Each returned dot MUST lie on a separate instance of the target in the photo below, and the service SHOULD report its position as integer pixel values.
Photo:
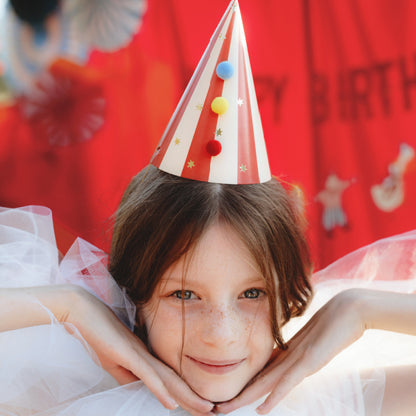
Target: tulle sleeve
(354, 381)
(44, 366)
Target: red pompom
(214, 147)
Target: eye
(253, 293)
(183, 294)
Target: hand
(124, 355)
(334, 327)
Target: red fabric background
(336, 84)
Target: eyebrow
(181, 280)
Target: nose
(220, 325)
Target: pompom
(225, 70)
(219, 105)
(214, 147)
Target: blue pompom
(225, 70)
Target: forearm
(23, 307)
(388, 311)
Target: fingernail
(172, 404)
(261, 409)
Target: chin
(217, 392)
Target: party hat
(215, 134)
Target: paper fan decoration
(66, 106)
(28, 50)
(106, 25)
(215, 134)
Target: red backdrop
(336, 84)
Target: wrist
(73, 304)
(31, 306)
(368, 304)
(384, 310)
(63, 300)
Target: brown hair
(162, 216)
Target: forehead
(219, 254)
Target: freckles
(234, 319)
(258, 322)
(251, 325)
(217, 319)
(191, 320)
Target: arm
(120, 352)
(21, 307)
(338, 324)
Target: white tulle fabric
(46, 371)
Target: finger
(278, 372)
(262, 384)
(168, 387)
(285, 385)
(259, 388)
(185, 396)
(154, 383)
(303, 367)
(122, 375)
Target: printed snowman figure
(389, 195)
(331, 198)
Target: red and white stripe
(182, 149)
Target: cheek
(257, 317)
(260, 337)
(164, 331)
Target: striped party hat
(215, 134)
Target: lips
(216, 367)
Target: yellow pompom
(219, 105)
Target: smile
(216, 367)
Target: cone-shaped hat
(215, 134)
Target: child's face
(222, 337)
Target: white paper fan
(106, 25)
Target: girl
(213, 289)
